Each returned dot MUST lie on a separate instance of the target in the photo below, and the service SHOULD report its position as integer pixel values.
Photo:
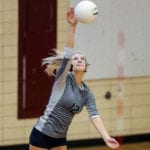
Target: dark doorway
(37, 37)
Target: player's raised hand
(71, 17)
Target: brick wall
(135, 117)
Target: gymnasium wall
(119, 35)
(125, 113)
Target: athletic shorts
(41, 140)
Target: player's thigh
(59, 148)
(31, 147)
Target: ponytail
(53, 62)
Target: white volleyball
(86, 11)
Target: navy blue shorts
(41, 140)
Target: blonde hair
(53, 62)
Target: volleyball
(86, 11)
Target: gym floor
(135, 146)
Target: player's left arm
(99, 125)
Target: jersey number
(74, 108)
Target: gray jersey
(65, 101)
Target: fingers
(112, 143)
(70, 12)
(71, 17)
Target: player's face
(78, 62)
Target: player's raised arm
(72, 21)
